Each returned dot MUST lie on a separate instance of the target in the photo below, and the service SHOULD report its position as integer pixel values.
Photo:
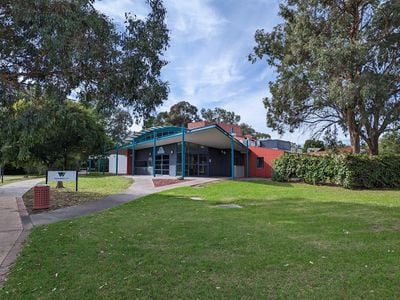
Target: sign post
(2, 172)
(63, 176)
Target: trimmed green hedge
(347, 170)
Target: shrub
(347, 170)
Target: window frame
(260, 159)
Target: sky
(208, 66)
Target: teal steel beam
(116, 159)
(154, 152)
(183, 164)
(247, 158)
(232, 159)
(133, 157)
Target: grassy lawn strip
(15, 178)
(288, 241)
(91, 187)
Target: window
(260, 163)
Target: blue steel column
(154, 153)
(116, 159)
(133, 156)
(247, 158)
(183, 164)
(232, 159)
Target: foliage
(390, 143)
(288, 241)
(349, 171)
(312, 143)
(248, 130)
(65, 48)
(219, 115)
(119, 122)
(180, 114)
(337, 62)
(44, 133)
(331, 141)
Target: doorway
(162, 164)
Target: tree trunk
(355, 142)
(353, 131)
(60, 185)
(373, 144)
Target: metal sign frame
(76, 178)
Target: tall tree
(68, 47)
(45, 132)
(248, 130)
(180, 114)
(119, 122)
(337, 62)
(219, 115)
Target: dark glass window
(260, 163)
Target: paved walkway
(11, 224)
(142, 186)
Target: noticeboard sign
(62, 176)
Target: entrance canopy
(210, 136)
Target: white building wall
(239, 171)
(122, 164)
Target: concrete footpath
(14, 221)
(142, 186)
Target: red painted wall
(129, 162)
(268, 154)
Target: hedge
(347, 170)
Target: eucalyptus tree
(179, 114)
(61, 49)
(219, 115)
(337, 62)
(65, 47)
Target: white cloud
(193, 20)
(208, 66)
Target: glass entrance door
(197, 165)
(162, 164)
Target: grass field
(15, 178)
(288, 241)
(90, 187)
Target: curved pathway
(142, 186)
(12, 223)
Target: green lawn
(90, 187)
(15, 178)
(288, 241)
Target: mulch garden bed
(59, 198)
(162, 182)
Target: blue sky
(208, 65)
